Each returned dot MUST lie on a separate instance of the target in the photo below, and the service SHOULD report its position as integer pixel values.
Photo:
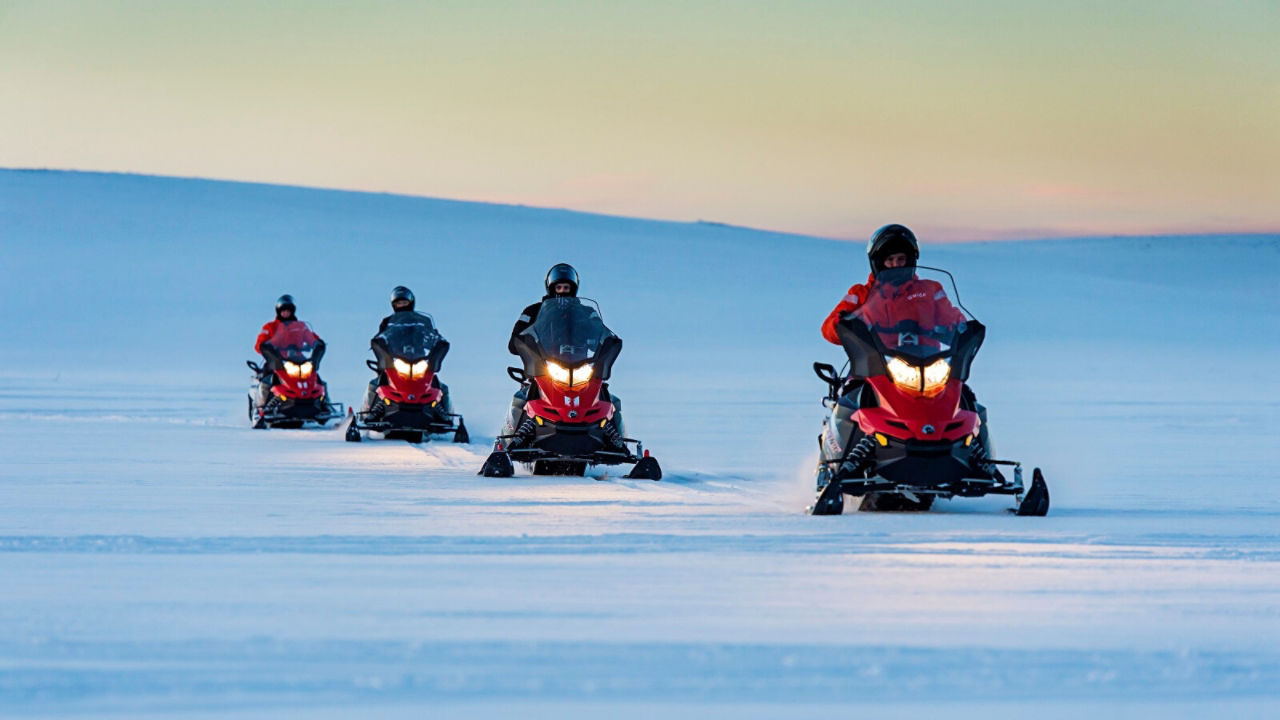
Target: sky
(965, 120)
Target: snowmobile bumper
(580, 442)
(568, 439)
(285, 412)
(905, 462)
(600, 457)
(395, 417)
(925, 467)
(962, 488)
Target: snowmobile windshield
(568, 330)
(910, 312)
(295, 341)
(410, 338)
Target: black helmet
(562, 272)
(402, 293)
(286, 301)
(889, 240)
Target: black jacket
(401, 315)
(527, 318)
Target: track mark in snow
(624, 543)
(210, 673)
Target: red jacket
(920, 299)
(852, 300)
(925, 295)
(269, 330)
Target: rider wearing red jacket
(286, 315)
(890, 248)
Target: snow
(161, 559)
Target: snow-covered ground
(159, 558)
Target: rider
(892, 253)
(561, 281)
(286, 314)
(402, 312)
(402, 301)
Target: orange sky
(964, 120)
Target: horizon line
(954, 236)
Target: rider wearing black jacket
(402, 303)
(402, 307)
(561, 281)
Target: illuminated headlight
(558, 373)
(936, 375)
(306, 368)
(576, 378)
(292, 369)
(402, 368)
(930, 381)
(904, 374)
(410, 371)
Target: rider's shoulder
(927, 283)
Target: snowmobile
(408, 401)
(568, 420)
(288, 391)
(904, 428)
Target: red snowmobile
(289, 392)
(407, 400)
(904, 429)
(565, 418)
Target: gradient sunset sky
(965, 120)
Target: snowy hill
(153, 531)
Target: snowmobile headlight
(420, 368)
(292, 369)
(305, 369)
(936, 375)
(574, 379)
(402, 368)
(904, 374)
(581, 376)
(558, 373)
